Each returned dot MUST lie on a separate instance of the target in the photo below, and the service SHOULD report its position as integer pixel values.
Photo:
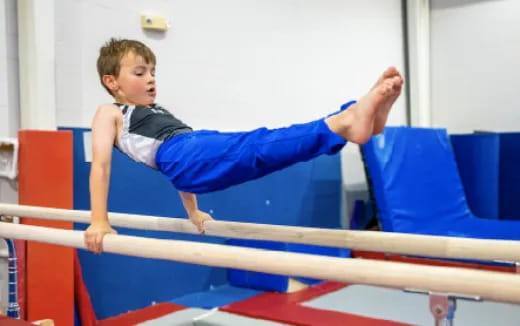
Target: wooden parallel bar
(398, 243)
(494, 286)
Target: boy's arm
(104, 131)
(197, 216)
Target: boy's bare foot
(356, 124)
(382, 113)
(389, 73)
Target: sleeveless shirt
(145, 128)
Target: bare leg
(357, 123)
(382, 113)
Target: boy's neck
(125, 102)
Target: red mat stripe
(286, 308)
(141, 315)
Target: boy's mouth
(151, 91)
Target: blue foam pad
(477, 157)
(216, 297)
(120, 283)
(418, 188)
(273, 282)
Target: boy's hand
(198, 218)
(94, 236)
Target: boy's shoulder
(108, 111)
(108, 106)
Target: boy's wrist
(99, 220)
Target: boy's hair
(114, 50)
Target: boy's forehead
(132, 59)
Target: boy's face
(135, 84)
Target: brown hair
(114, 50)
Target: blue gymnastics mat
(418, 188)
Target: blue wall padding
(477, 157)
(216, 297)
(273, 282)
(509, 182)
(418, 188)
(306, 194)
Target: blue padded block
(509, 183)
(216, 297)
(477, 157)
(307, 193)
(418, 188)
(273, 282)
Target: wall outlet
(152, 22)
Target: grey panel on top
(201, 317)
(412, 308)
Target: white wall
(9, 99)
(9, 104)
(234, 64)
(36, 40)
(475, 53)
(9, 117)
(237, 65)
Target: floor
(368, 301)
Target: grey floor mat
(201, 317)
(412, 308)
(178, 318)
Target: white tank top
(145, 128)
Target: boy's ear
(110, 82)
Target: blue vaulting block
(418, 187)
(136, 189)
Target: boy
(205, 161)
